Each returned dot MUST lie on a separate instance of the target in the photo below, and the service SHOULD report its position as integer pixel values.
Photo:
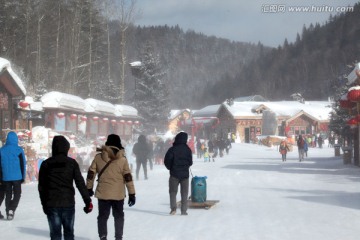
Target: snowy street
(261, 198)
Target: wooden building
(248, 119)
(11, 91)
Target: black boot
(1, 216)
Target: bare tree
(127, 14)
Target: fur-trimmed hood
(111, 152)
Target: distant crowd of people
(303, 142)
(212, 148)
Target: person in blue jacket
(13, 169)
(178, 160)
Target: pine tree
(40, 90)
(339, 116)
(151, 92)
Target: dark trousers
(117, 207)
(140, 163)
(61, 217)
(184, 191)
(13, 194)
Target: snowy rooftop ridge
(94, 105)
(67, 101)
(318, 109)
(63, 101)
(6, 64)
(208, 111)
(175, 112)
(125, 111)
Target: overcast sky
(267, 21)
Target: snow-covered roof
(136, 64)
(98, 106)
(208, 111)
(176, 112)
(36, 106)
(352, 76)
(125, 111)
(318, 109)
(63, 101)
(6, 64)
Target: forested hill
(71, 46)
(192, 60)
(309, 66)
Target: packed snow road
(261, 198)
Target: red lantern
(352, 122)
(345, 103)
(129, 122)
(122, 121)
(72, 136)
(73, 116)
(83, 118)
(113, 121)
(23, 104)
(95, 118)
(354, 94)
(105, 119)
(61, 115)
(136, 122)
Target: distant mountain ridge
(192, 60)
(320, 57)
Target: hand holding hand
(91, 192)
(88, 208)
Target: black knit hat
(114, 140)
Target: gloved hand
(88, 208)
(91, 192)
(45, 210)
(132, 200)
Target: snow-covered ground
(261, 198)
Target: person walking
(178, 160)
(142, 152)
(57, 194)
(114, 174)
(306, 148)
(211, 150)
(283, 149)
(199, 151)
(301, 144)
(320, 141)
(13, 168)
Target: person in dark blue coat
(178, 160)
(13, 169)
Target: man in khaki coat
(114, 174)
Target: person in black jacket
(142, 152)
(57, 193)
(178, 160)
